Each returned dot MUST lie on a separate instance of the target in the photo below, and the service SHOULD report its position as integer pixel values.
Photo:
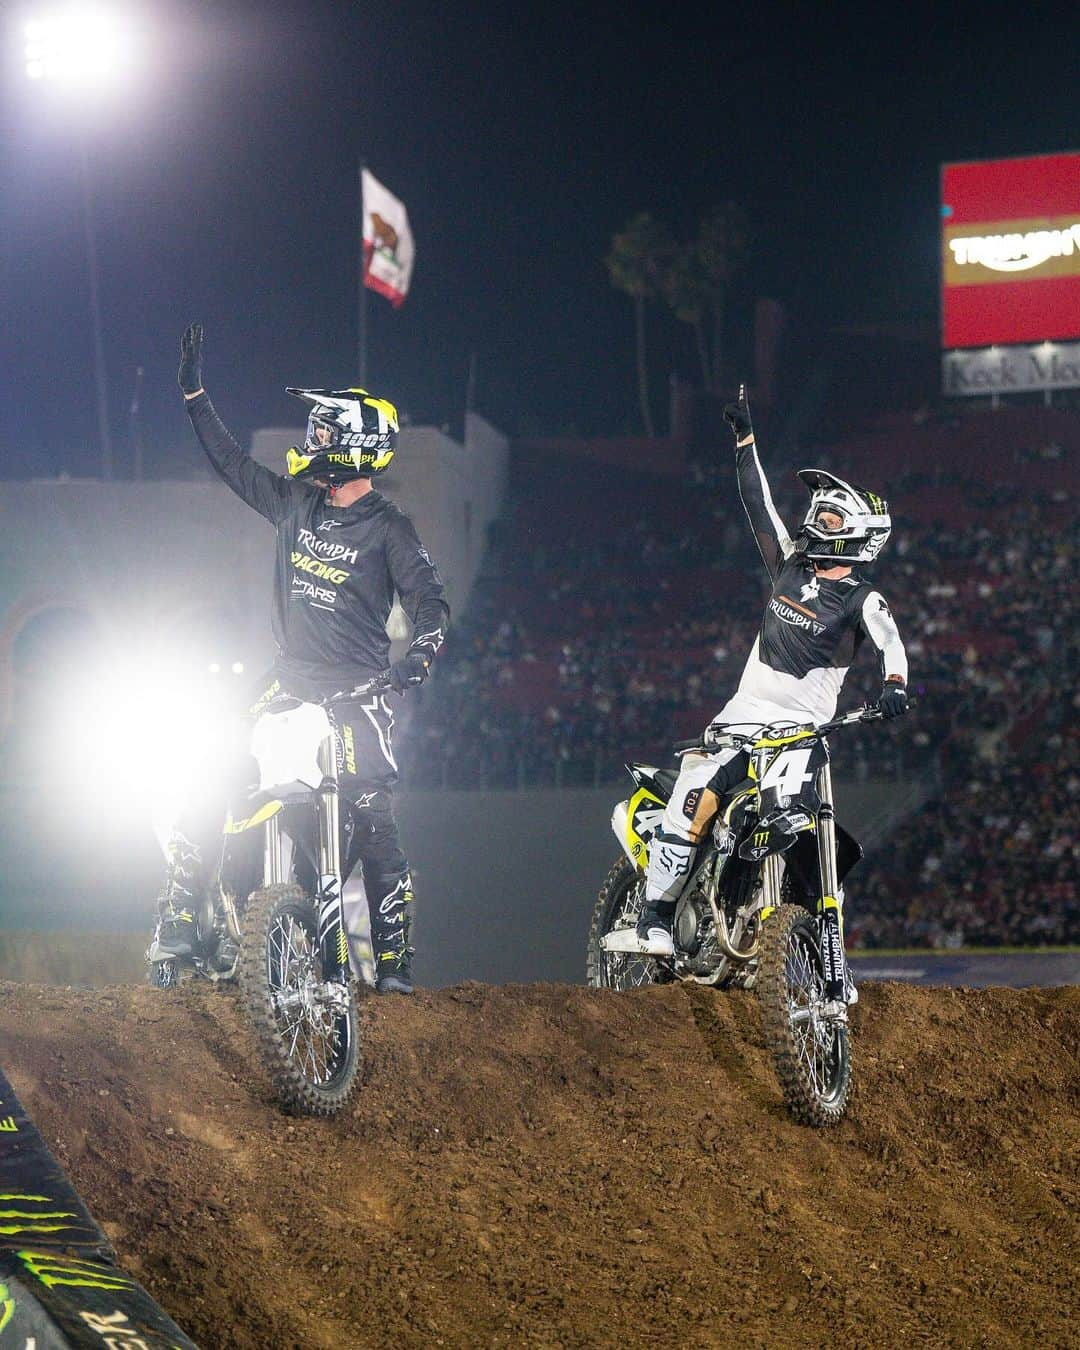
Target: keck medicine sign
(1010, 273)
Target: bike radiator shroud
(635, 820)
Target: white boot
(670, 860)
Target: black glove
(409, 672)
(737, 416)
(189, 376)
(893, 701)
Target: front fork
(829, 905)
(333, 940)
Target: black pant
(367, 772)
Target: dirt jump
(549, 1165)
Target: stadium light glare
(146, 732)
(79, 45)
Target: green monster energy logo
(8, 1126)
(7, 1306)
(838, 546)
(66, 1270)
(761, 838)
(36, 1216)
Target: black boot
(393, 972)
(391, 924)
(176, 928)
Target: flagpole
(361, 301)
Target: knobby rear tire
(298, 1091)
(814, 1071)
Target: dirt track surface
(550, 1165)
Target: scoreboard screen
(1010, 251)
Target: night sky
(520, 138)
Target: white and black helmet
(350, 434)
(866, 521)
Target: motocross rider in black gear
(820, 611)
(343, 550)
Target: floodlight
(145, 731)
(78, 44)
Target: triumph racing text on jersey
(812, 626)
(337, 568)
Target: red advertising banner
(1010, 251)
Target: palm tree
(686, 292)
(723, 248)
(636, 262)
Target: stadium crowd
(608, 626)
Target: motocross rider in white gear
(820, 611)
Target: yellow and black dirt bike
(272, 916)
(762, 908)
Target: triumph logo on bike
(833, 950)
(787, 612)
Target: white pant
(744, 714)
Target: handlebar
(284, 702)
(736, 740)
(377, 682)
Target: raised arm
(267, 492)
(771, 534)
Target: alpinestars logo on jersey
(787, 613)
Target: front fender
(258, 817)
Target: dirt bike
(761, 909)
(272, 916)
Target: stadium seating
(616, 607)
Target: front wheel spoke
(284, 1031)
(805, 991)
(296, 1037)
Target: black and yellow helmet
(350, 434)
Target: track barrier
(60, 1283)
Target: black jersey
(337, 568)
(812, 627)
(811, 622)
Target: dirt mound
(550, 1165)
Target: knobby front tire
(812, 1054)
(310, 1052)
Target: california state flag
(388, 241)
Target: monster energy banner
(60, 1285)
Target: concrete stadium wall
(142, 561)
